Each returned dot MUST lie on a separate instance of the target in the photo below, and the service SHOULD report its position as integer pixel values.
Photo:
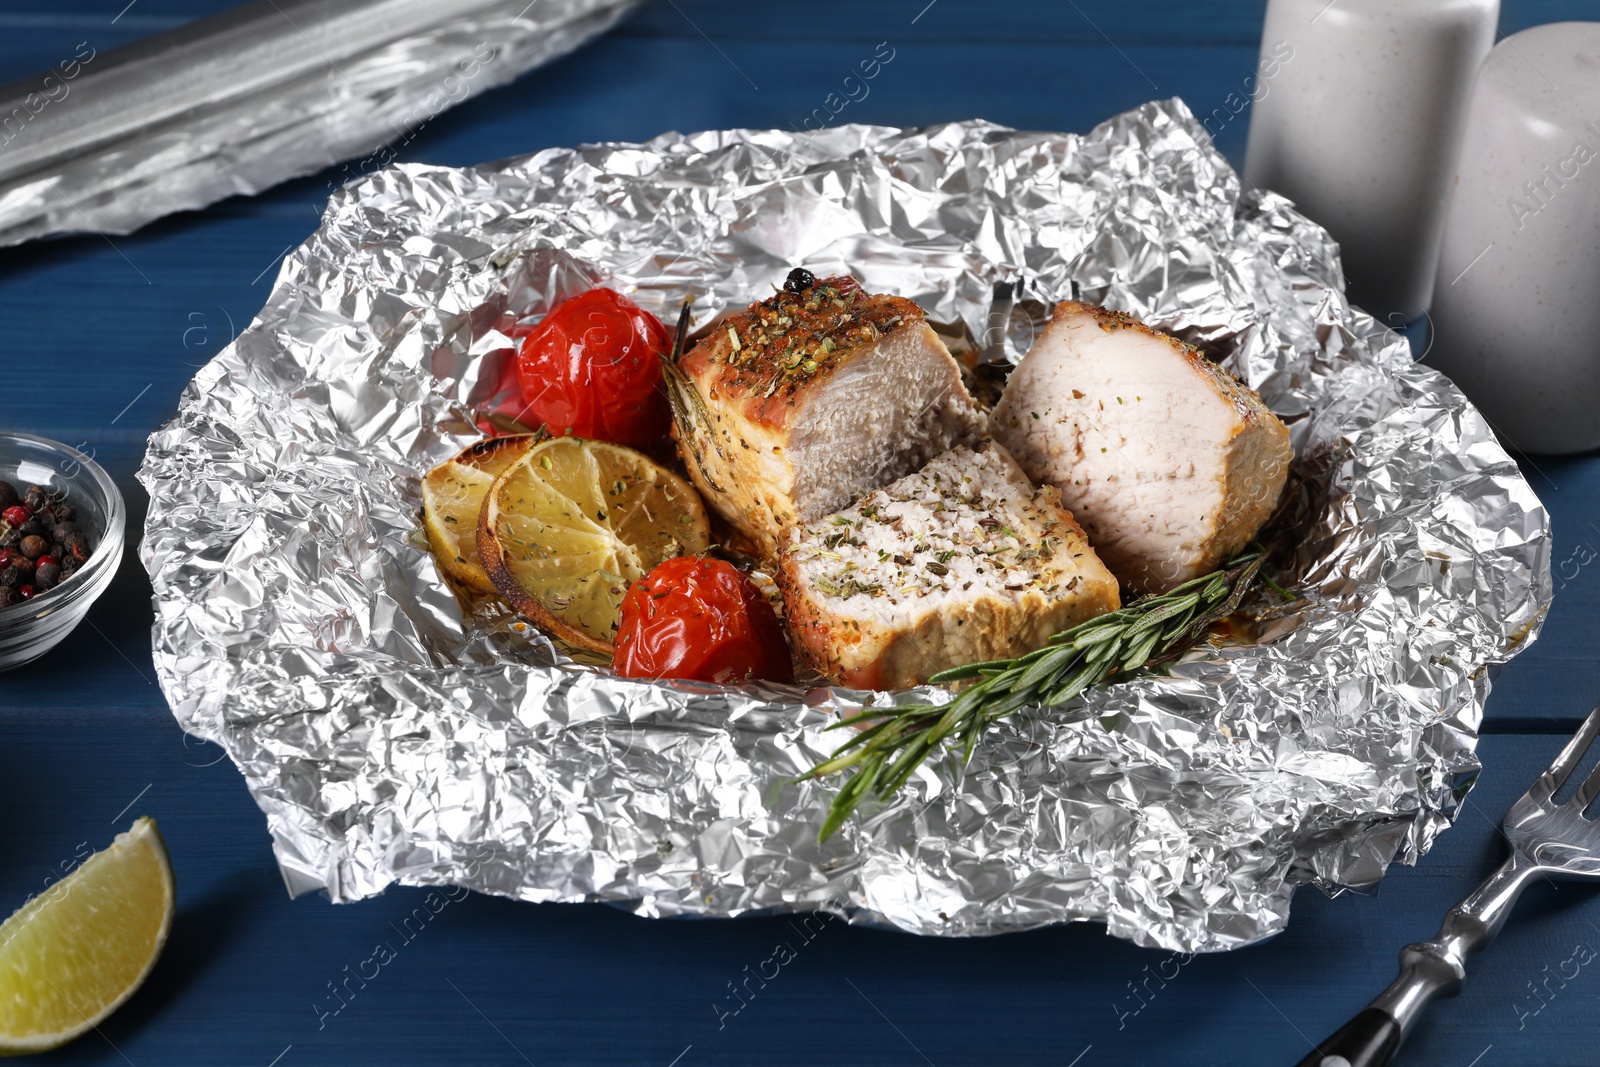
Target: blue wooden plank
(144, 311)
(781, 85)
(1143, 21)
(1078, 64)
(1137, 22)
(105, 335)
(250, 973)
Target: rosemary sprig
(894, 742)
(689, 412)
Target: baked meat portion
(1170, 464)
(963, 561)
(807, 401)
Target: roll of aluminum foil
(254, 96)
(392, 735)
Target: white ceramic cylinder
(1517, 310)
(1360, 128)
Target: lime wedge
(71, 955)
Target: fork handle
(1368, 1040)
(1427, 969)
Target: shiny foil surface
(392, 735)
(265, 93)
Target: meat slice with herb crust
(1169, 463)
(812, 398)
(961, 562)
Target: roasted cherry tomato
(592, 368)
(699, 618)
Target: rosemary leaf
(1141, 651)
(1095, 637)
(1162, 614)
(1046, 667)
(898, 740)
(1074, 685)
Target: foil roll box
(392, 736)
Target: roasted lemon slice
(71, 955)
(568, 527)
(452, 496)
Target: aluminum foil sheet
(239, 102)
(392, 736)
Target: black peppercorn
(799, 280)
(48, 534)
(9, 596)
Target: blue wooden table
(98, 337)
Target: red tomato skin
(592, 368)
(700, 619)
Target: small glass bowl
(32, 627)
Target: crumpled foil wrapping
(390, 736)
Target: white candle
(1360, 129)
(1517, 313)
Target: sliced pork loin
(1170, 464)
(807, 401)
(965, 560)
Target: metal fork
(1546, 839)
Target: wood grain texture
(98, 338)
(247, 973)
(1087, 22)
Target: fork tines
(1547, 784)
